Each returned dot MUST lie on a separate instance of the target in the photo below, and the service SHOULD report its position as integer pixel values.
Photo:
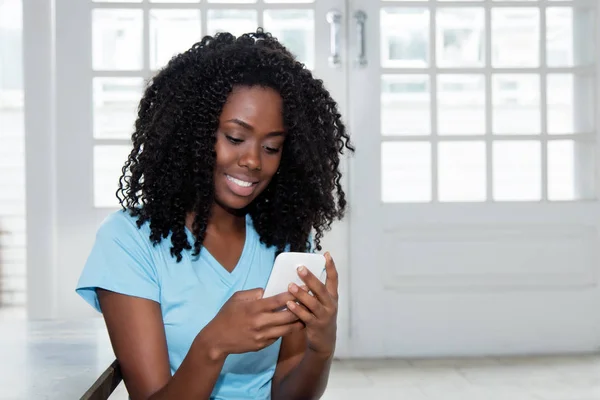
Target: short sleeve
(120, 261)
(311, 244)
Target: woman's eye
(233, 140)
(272, 150)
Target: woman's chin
(234, 204)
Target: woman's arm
(300, 373)
(246, 322)
(137, 335)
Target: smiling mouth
(239, 182)
(240, 187)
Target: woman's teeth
(239, 182)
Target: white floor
(515, 378)
(512, 378)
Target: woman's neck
(221, 220)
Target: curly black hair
(169, 171)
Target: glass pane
(570, 170)
(116, 39)
(174, 1)
(405, 105)
(405, 172)
(289, 1)
(560, 103)
(108, 161)
(404, 37)
(515, 37)
(461, 104)
(460, 37)
(296, 30)
(115, 106)
(461, 171)
(236, 22)
(568, 33)
(517, 171)
(172, 32)
(516, 104)
(232, 1)
(561, 170)
(571, 103)
(12, 141)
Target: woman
(235, 159)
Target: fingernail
(302, 270)
(291, 305)
(293, 288)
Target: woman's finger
(311, 303)
(331, 284)
(315, 285)
(283, 330)
(301, 312)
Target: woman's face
(249, 145)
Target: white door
(474, 189)
(105, 51)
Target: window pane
(571, 103)
(174, 1)
(13, 259)
(296, 30)
(405, 172)
(108, 161)
(560, 103)
(404, 37)
(515, 37)
(232, 1)
(172, 32)
(462, 171)
(236, 22)
(116, 39)
(517, 171)
(460, 37)
(115, 106)
(405, 105)
(516, 104)
(461, 104)
(568, 33)
(289, 1)
(570, 170)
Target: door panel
(458, 244)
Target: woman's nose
(251, 159)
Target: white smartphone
(285, 271)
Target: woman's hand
(318, 312)
(247, 322)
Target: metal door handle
(361, 17)
(334, 17)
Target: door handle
(334, 17)
(361, 17)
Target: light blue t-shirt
(190, 294)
